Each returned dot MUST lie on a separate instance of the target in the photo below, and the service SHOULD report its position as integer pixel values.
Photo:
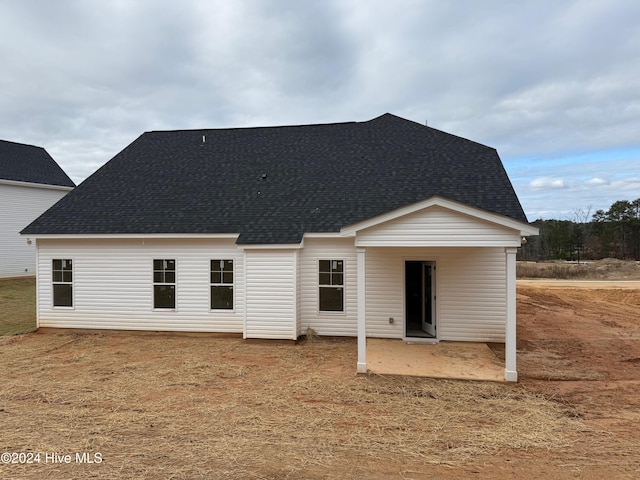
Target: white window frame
(164, 282)
(223, 284)
(62, 282)
(342, 286)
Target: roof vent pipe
(426, 123)
(204, 139)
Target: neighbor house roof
(30, 164)
(273, 184)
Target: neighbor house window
(164, 283)
(62, 283)
(331, 285)
(222, 284)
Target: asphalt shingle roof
(273, 184)
(27, 163)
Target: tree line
(614, 233)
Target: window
(221, 284)
(62, 283)
(164, 284)
(331, 281)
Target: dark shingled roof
(26, 163)
(273, 184)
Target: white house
(30, 182)
(384, 228)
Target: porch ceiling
(453, 360)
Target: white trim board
(523, 228)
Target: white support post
(244, 287)
(38, 282)
(362, 328)
(510, 372)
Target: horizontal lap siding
(385, 292)
(338, 324)
(113, 285)
(472, 303)
(19, 206)
(437, 227)
(470, 288)
(113, 288)
(271, 294)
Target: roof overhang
(35, 185)
(524, 229)
(271, 246)
(103, 236)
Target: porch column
(362, 330)
(510, 373)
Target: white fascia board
(436, 244)
(131, 235)
(527, 230)
(523, 228)
(35, 185)
(323, 235)
(272, 246)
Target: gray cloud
(538, 80)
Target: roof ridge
(22, 144)
(275, 127)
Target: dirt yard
(169, 406)
(581, 346)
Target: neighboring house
(385, 228)
(30, 182)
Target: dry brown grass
(205, 407)
(605, 269)
(17, 305)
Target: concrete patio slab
(454, 360)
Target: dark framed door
(420, 318)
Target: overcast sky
(553, 85)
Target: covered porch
(466, 292)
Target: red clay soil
(582, 345)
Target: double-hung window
(62, 271)
(221, 284)
(164, 283)
(331, 285)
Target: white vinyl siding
(271, 293)
(437, 227)
(113, 288)
(470, 295)
(327, 323)
(19, 206)
(113, 285)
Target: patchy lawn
(17, 305)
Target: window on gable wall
(164, 283)
(62, 273)
(221, 284)
(331, 285)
